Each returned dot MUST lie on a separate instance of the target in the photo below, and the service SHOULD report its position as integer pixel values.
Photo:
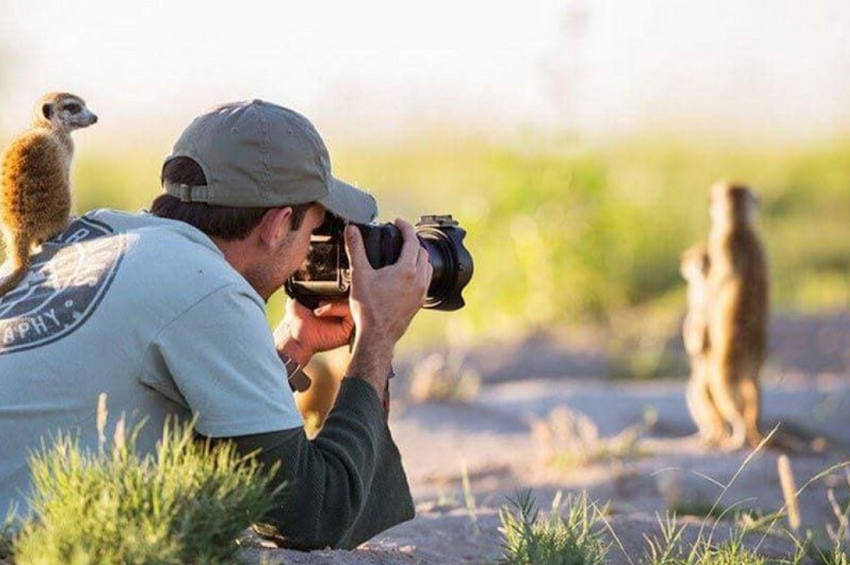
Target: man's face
(270, 267)
(273, 251)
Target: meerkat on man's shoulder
(35, 198)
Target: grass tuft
(669, 549)
(571, 539)
(568, 439)
(186, 505)
(443, 378)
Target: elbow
(323, 519)
(300, 537)
(320, 541)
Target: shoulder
(170, 261)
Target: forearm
(371, 361)
(343, 487)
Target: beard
(268, 277)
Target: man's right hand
(383, 302)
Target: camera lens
(443, 238)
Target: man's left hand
(304, 332)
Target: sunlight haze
(372, 67)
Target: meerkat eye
(74, 108)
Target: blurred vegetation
(568, 233)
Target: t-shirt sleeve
(218, 359)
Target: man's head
(256, 178)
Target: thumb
(337, 309)
(354, 248)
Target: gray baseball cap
(258, 154)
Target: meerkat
(326, 374)
(694, 267)
(35, 198)
(737, 325)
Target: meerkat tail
(20, 258)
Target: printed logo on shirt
(63, 287)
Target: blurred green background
(566, 233)
(574, 140)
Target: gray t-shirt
(143, 309)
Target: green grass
(669, 550)
(7, 536)
(570, 233)
(573, 539)
(580, 537)
(833, 555)
(186, 505)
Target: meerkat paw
(712, 439)
(736, 441)
(731, 445)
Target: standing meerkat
(738, 295)
(695, 266)
(35, 201)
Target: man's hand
(304, 332)
(383, 302)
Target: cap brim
(350, 203)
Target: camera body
(326, 273)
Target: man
(165, 313)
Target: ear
(274, 227)
(47, 111)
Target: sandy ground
(806, 393)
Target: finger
(354, 248)
(423, 263)
(423, 253)
(332, 310)
(411, 246)
(424, 271)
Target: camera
(326, 273)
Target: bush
(186, 505)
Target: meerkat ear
(47, 111)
